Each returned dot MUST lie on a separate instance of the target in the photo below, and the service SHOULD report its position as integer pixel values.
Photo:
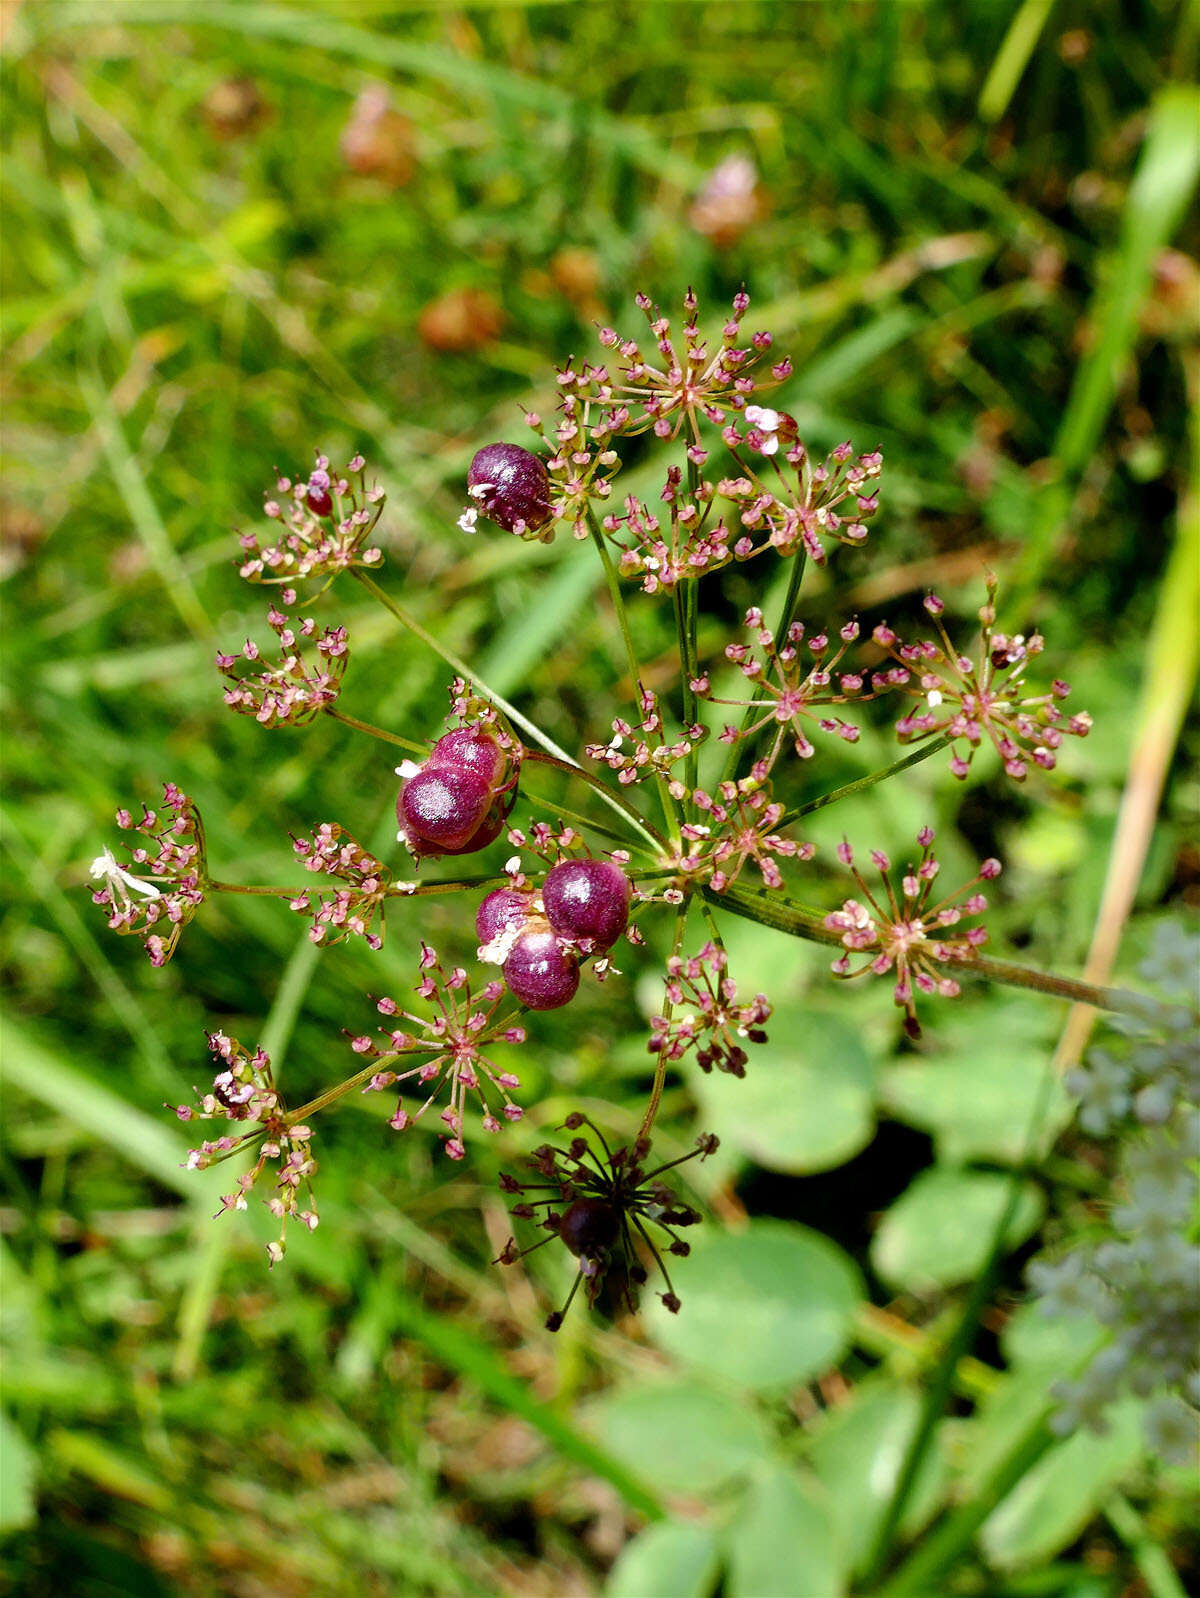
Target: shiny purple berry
(540, 972)
(473, 749)
(589, 1227)
(319, 500)
(512, 485)
(440, 810)
(587, 899)
(505, 910)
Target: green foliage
(965, 251)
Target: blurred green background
(236, 233)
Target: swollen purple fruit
(540, 972)
(319, 500)
(505, 910)
(443, 809)
(587, 899)
(471, 749)
(589, 1227)
(510, 485)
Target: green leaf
(672, 1559)
(977, 1095)
(1055, 1500)
(18, 1473)
(784, 1541)
(856, 1455)
(685, 1438)
(938, 1232)
(766, 1307)
(807, 1100)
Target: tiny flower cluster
(293, 690)
(969, 701)
(348, 911)
(810, 508)
(158, 893)
(692, 383)
(649, 754)
(790, 687)
(740, 826)
(687, 550)
(325, 523)
(595, 1206)
(244, 1091)
(713, 1021)
(453, 1043)
(905, 934)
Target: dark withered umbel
(595, 1205)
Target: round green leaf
(977, 1094)
(766, 1307)
(1055, 1500)
(671, 1559)
(856, 1455)
(680, 1437)
(806, 1102)
(784, 1542)
(939, 1231)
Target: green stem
(920, 1574)
(686, 624)
(258, 890)
(464, 671)
(670, 812)
(660, 1064)
(863, 783)
(799, 921)
(377, 732)
(633, 816)
(1148, 1555)
(790, 601)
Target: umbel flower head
(971, 701)
(682, 383)
(294, 689)
(792, 684)
(702, 1012)
(325, 522)
(244, 1092)
(904, 933)
(449, 1048)
(596, 1206)
(159, 891)
(352, 908)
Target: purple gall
(587, 901)
(511, 486)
